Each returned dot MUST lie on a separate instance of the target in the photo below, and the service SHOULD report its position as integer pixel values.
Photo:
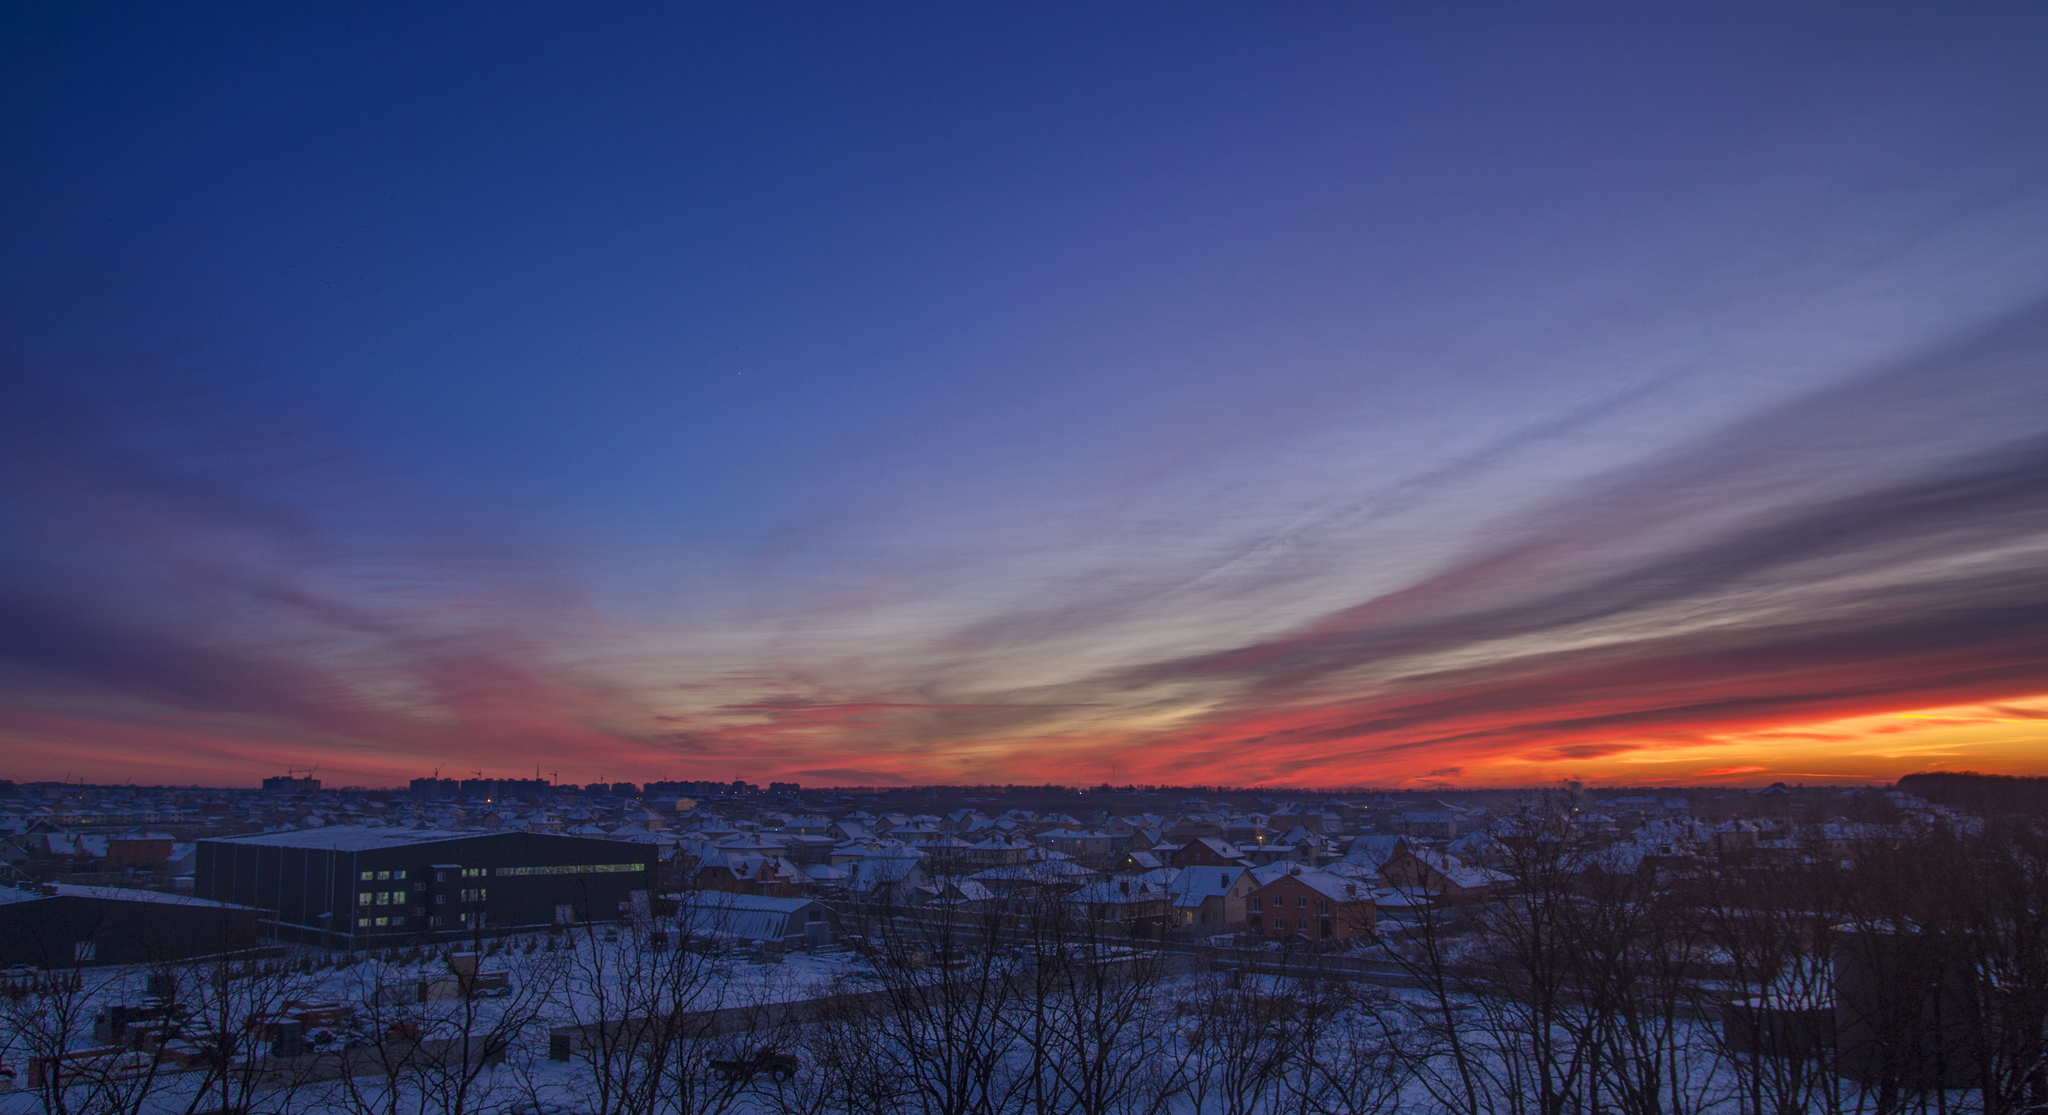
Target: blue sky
(913, 393)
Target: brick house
(1444, 876)
(1209, 851)
(1318, 905)
(145, 851)
(751, 873)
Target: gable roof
(1194, 885)
(1373, 852)
(1326, 883)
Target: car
(778, 1066)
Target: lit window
(398, 874)
(383, 921)
(383, 875)
(362, 923)
(571, 869)
(369, 875)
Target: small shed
(791, 922)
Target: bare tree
(430, 1031)
(1448, 1057)
(1997, 912)
(1773, 924)
(843, 1070)
(1640, 960)
(1241, 1034)
(1090, 1018)
(1943, 970)
(378, 1062)
(1502, 999)
(234, 1001)
(1348, 1056)
(634, 1001)
(948, 990)
(1528, 986)
(46, 1025)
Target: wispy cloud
(155, 593)
(1875, 545)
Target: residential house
(1209, 900)
(892, 875)
(1318, 905)
(964, 895)
(1371, 852)
(751, 873)
(1052, 874)
(139, 850)
(1125, 906)
(1430, 824)
(1444, 876)
(998, 849)
(1208, 851)
(1093, 845)
(1136, 862)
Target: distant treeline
(1985, 794)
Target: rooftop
(349, 838)
(10, 895)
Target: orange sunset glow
(1324, 398)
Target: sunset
(1321, 398)
(1024, 559)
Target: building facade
(1210, 900)
(1318, 905)
(357, 886)
(60, 926)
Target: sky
(1304, 395)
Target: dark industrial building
(59, 926)
(359, 886)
